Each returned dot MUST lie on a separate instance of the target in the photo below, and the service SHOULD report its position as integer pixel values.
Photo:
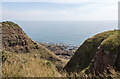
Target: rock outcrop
(15, 40)
(97, 55)
(107, 58)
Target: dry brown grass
(27, 65)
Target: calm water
(65, 32)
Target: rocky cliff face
(15, 40)
(107, 57)
(97, 55)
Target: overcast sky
(59, 10)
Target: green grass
(86, 52)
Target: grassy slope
(86, 52)
(22, 47)
(28, 65)
(112, 44)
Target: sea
(72, 33)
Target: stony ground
(62, 51)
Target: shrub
(48, 64)
(4, 56)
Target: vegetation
(24, 57)
(83, 58)
(48, 64)
(28, 65)
(4, 56)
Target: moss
(90, 40)
(86, 52)
(86, 71)
(112, 43)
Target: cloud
(62, 1)
(103, 13)
(92, 11)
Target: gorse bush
(4, 56)
(48, 64)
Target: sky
(59, 10)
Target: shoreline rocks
(62, 51)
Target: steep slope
(16, 42)
(96, 54)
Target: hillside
(27, 65)
(25, 57)
(99, 55)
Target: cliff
(97, 55)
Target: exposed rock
(13, 38)
(107, 58)
(97, 55)
(62, 51)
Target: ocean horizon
(72, 33)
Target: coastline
(61, 50)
